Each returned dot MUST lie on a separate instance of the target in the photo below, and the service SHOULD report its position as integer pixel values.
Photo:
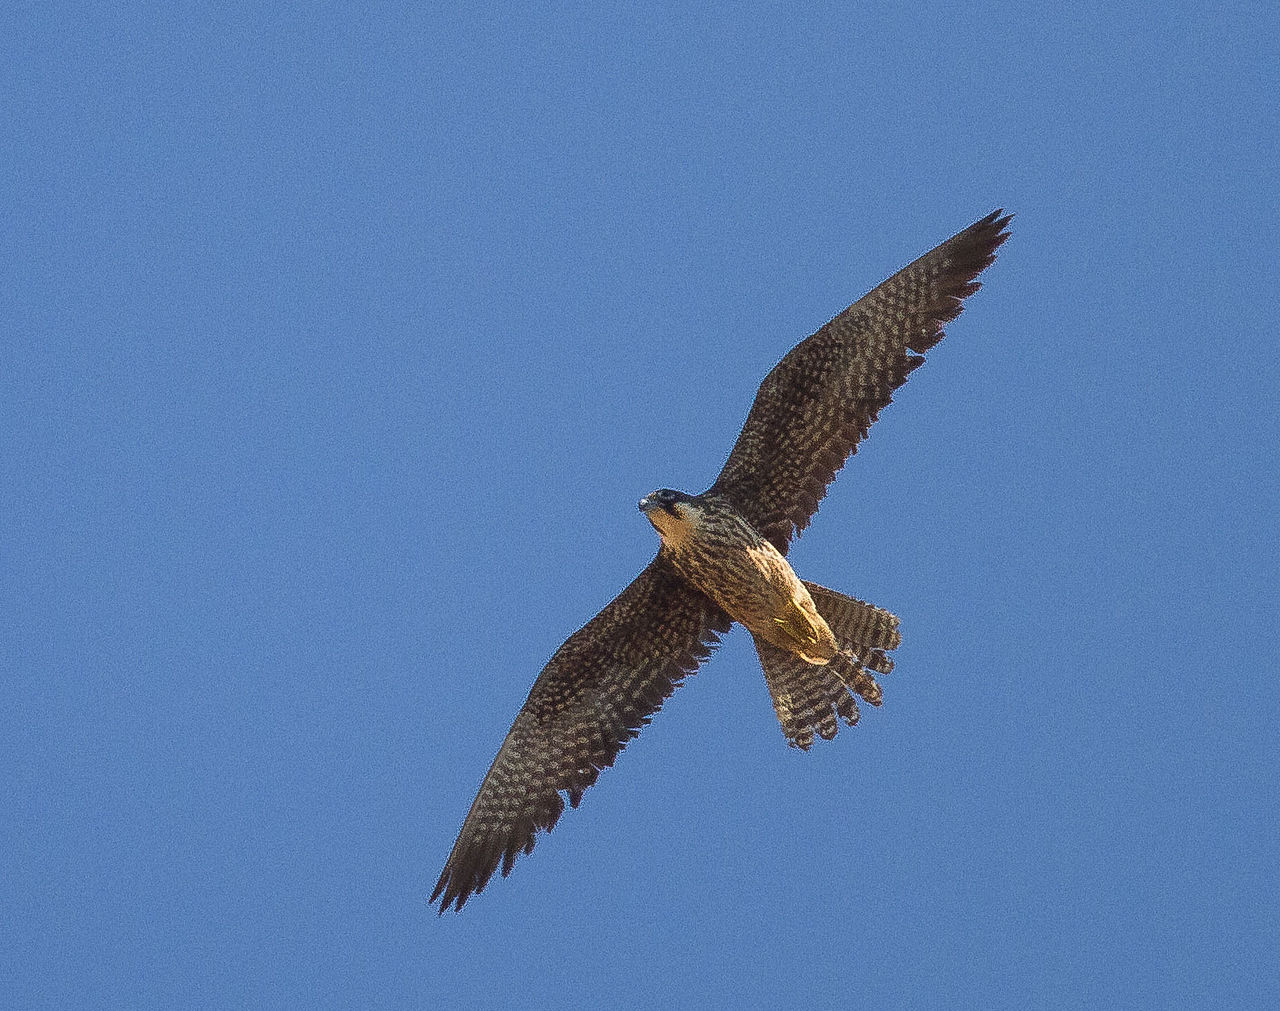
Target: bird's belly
(758, 588)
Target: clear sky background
(338, 345)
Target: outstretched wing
(818, 402)
(599, 689)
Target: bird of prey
(722, 559)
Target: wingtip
(451, 898)
(973, 250)
(997, 222)
(453, 890)
(438, 891)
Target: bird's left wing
(599, 689)
(818, 402)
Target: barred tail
(807, 697)
(867, 630)
(812, 698)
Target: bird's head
(672, 513)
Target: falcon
(722, 559)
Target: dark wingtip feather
(975, 247)
(968, 253)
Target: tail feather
(811, 698)
(808, 698)
(858, 626)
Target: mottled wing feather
(818, 402)
(599, 689)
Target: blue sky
(338, 344)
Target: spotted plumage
(717, 551)
(722, 559)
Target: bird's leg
(798, 627)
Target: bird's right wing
(599, 689)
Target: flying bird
(722, 558)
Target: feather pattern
(817, 404)
(810, 698)
(595, 694)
